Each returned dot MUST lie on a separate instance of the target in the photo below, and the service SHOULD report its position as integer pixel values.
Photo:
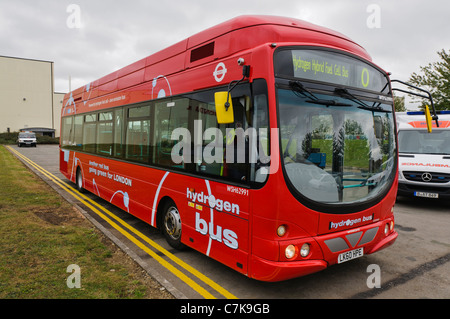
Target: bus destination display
(324, 66)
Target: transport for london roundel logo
(220, 71)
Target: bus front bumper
(267, 270)
(272, 271)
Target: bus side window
(212, 146)
(105, 134)
(210, 163)
(170, 114)
(138, 134)
(119, 136)
(78, 133)
(90, 133)
(66, 136)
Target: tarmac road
(416, 266)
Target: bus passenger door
(219, 200)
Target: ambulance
(424, 158)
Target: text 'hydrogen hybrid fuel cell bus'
(266, 143)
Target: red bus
(322, 185)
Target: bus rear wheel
(171, 225)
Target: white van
(26, 138)
(424, 158)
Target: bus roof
(217, 42)
(247, 21)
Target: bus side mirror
(224, 105)
(224, 108)
(428, 119)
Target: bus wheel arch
(169, 222)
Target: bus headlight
(386, 229)
(304, 251)
(291, 251)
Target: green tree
(435, 77)
(399, 103)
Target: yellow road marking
(87, 201)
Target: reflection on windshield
(422, 142)
(336, 154)
(27, 135)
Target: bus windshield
(422, 142)
(336, 154)
(336, 126)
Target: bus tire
(79, 181)
(171, 225)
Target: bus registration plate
(349, 255)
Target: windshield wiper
(298, 88)
(346, 94)
(328, 102)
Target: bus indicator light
(281, 231)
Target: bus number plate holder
(349, 255)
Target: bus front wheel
(79, 180)
(171, 225)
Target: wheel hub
(172, 223)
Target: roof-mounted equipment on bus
(428, 117)
(224, 106)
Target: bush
(47, 140)
(8, 138)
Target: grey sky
(116, 33)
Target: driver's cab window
(233, 151)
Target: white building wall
(57, 106)
(26, 95)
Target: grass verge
(41, 235)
